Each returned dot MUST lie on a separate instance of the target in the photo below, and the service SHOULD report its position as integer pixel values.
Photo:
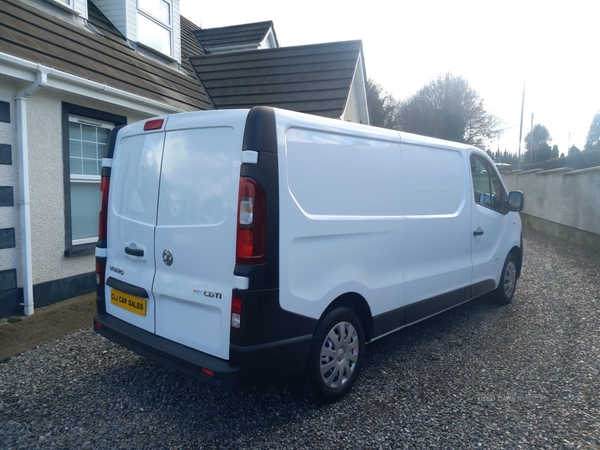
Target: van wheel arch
(359, 305)
(518, 254)
(337, 349)
(507, 285)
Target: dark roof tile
(189, 44)
(314, 79)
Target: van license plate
(131, 303)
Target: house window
(154, 22)
(87, 142)
(85, 136)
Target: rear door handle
(478, 232)
(134, 251)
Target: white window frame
(67, 3)
(167, 26)
(87, 179)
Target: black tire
(505, 291)
(335, 356)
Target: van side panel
(437, 235)
(341, 225)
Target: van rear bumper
(272, 361)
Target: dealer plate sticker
(131, 303)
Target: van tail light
(250, 247)
(100, 272)
(236, 313)
(102, 224)
(102, 221)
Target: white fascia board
(269, 40)
(358, 88)
(25, 70)
(362, 91)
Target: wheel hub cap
(510, 279)
(339, 355)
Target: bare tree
(448, 108)
(383, 107)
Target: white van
(247, 245)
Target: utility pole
(499, 157)
(521, 129)
(531, 140)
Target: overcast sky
(553, 46)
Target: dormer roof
(249, 36)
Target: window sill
(151, 52)
(80, 250)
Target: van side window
(487, 186)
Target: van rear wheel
(335, 356)
(505, 291)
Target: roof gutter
(57, 79)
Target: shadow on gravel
(182, 405)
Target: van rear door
(196, 229)
(133, 199)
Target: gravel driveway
(479, 376)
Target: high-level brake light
(154, 124)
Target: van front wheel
(335, 356)
(505, 291)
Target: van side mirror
(516, 201)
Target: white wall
(176, 32)
(566, 197)
(47, 188)
(81, 7)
